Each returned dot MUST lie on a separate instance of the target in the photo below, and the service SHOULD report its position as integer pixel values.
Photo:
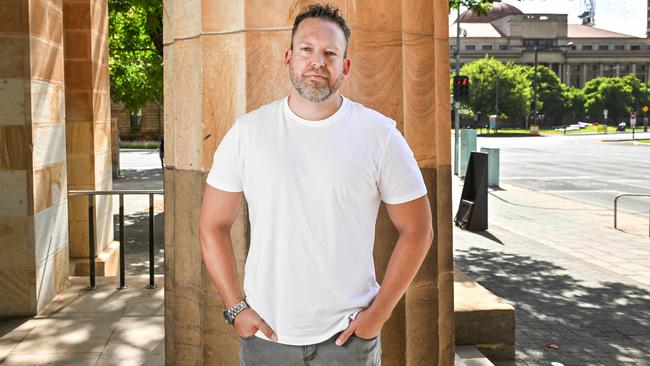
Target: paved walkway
(575, 282)
(101, 327)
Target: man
(314, 168)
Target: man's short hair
(327, 12)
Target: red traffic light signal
(461, 87)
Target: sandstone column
(88, 123)
(34, 209)
(224, 58)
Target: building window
(603, 47)
(609, 70)
(619, 47)
(470, 47)
(587, 47)
(624, 69)
(575, 80)
(641, 72)
(503, 47)
(539, 42)
(575, 69)
(593, 71)
(486, 47)
(635, 47)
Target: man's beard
(313, 92)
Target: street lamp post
(535, 82)
(456, 102)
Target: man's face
(317, 64)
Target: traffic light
(461, 87)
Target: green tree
(481, 7)
(135, 52)
(549, 92)
(639, 92)
(613, 94)
(574, 102)
(514, 88)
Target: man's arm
(218, 212)
(413, 222)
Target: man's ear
(346, 67)
(287, 56)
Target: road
(585, 168)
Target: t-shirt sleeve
(225, 173)
(400, 179)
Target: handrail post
(151, 244)
(91, 240)
(615, 210)
(122, 284)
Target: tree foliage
(135, 52)
(549, 91)
(514, 88)
(480, 7)
(613, 94)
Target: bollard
(493, 165)
(467, 146)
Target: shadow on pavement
(601, 324)
(136, 242)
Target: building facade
(577, 53)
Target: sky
(623, 16)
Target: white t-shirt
(313, 190)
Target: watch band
(230, 314)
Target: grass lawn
(645, 141)
(139, 144)
(550, 131)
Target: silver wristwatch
(230, 314)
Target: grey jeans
(256, 351)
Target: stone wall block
(219, 16)
(15, 148)
(418, 17)
(76, 15)
(16, 229)
(46, 61)
(12, 101)
(78, 74)
(442, 102)
(77, 44)
(170, 266)
(78, 106)
(419, 97)
(187, 118)
(168, 110)
(79, 137)
(376, 81)
(18, 287)
(13, 51)
(186, 18)
(421, 325)
(441, 23)
(393, 341)
(266, 75)
(371, 15)
(168, 23)
(51, 232)
(224, 96)
(83, 171)
(13, 190)
(45, 21)
(102, 137)
(11, 17)
(48, 145)
(48, 102)
(78, 237)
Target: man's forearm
(408, 255)
(216, 246)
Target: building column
(34, 209)
(584, 74)
(223, 59)
(88, 126)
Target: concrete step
(470, 356)
(483, 319)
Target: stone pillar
(34, 209)
(88, 121)
(224, 58)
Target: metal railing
(628, 195)
(91, 231)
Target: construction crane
(588, 15)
